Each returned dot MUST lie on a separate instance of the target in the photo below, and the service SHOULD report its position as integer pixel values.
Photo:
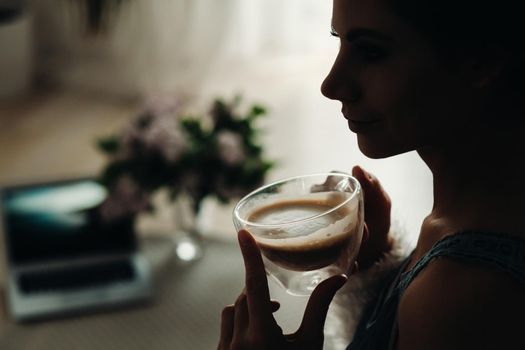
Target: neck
(478, 184)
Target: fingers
(317, 307)
(240, 320)
(330, 182)
(366, 233)
(377, 205)
(241, 316)
(376, 198)
(257, 293)
(360, 174)
(235, 320)
(227, 318)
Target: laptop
(62, 257)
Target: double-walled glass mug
(308, 227)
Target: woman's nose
(339, 84)
(328, 87)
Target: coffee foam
(307, 236)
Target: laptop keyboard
(79, 277)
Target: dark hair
(470, 27)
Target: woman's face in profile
(396, 93)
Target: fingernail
(363, 172)
(367, 174)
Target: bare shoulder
(456, 305)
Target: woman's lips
(361, 125)
(357, 125)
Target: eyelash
(366, 53)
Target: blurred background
(72, 71)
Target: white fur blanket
(349, 303)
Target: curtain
(177, 44)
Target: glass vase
(187, 239)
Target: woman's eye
(369, 53)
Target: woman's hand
(250, 325)
(376, 238)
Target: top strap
(503, 251)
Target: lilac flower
(166, 137)
(154, 134)
(162, 105)
(130, 142)
(125, 199)
(230, 148)
(182, 150)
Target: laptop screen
(58, 220)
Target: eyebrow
(356, 33)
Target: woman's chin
(375, 150)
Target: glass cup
(308, 227)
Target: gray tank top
(378, 326)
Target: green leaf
(255, 112)
(194, 129)
(108, 145)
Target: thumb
(314, 317)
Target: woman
(442, 78)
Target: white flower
(230, 148)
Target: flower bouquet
(217, 154)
